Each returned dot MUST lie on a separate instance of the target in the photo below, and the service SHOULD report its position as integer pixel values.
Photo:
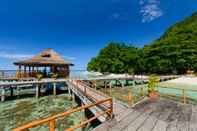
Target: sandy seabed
(18, 112)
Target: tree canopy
(174, 52)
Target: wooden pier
(35, 84)
(161, 115)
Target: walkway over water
(98, 103)
(162, 115)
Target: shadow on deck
(162, 115)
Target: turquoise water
(18, 112)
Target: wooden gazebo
(46, 63)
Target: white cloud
(69, 57)
(150, 10)
(14, 56)
(121, 16)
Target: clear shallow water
(18, 112)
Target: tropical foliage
(152, 83)
(174, 52)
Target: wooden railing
(51, 121)
(182, 96)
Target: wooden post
(52, 125)
(19, 71)
(111, 108)
(37, 91)
(25, 74)
(184, 97)
(29, 73)
(130, 98)
(82, 113)
(54, 89)
(122, 83)
(69, 92)
(105, 84)
(2, 94)
(133, 82)
(17, 91)
(110, 86)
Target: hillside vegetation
(174, 52)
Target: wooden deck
(163, 115)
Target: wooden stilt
(110, 86)
(2, 94)
(37, 91)
(54, 89)
(69, 92)
(73, 96)
(122, 83)
(105, 84)
(130, 98)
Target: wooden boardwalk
(93, 96)
(163, 115)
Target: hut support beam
(2, 94)
(54, 89)
(37, 91)
(122, 83)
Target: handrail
(183, 94)
(98, 92)
(51, 121)
(91, 89)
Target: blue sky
(78, 29)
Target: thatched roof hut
(46, 59)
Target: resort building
(48, 63)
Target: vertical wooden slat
(52, 125)
(111, 108)
(130, 98)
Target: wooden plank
(150, 122)
(193, 120)
(184, 118)
(126, 121)
(139, 121)
(123, 114)
(160, 126)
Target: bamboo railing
(51, 121)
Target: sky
(78, 29)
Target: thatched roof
(46, 58)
